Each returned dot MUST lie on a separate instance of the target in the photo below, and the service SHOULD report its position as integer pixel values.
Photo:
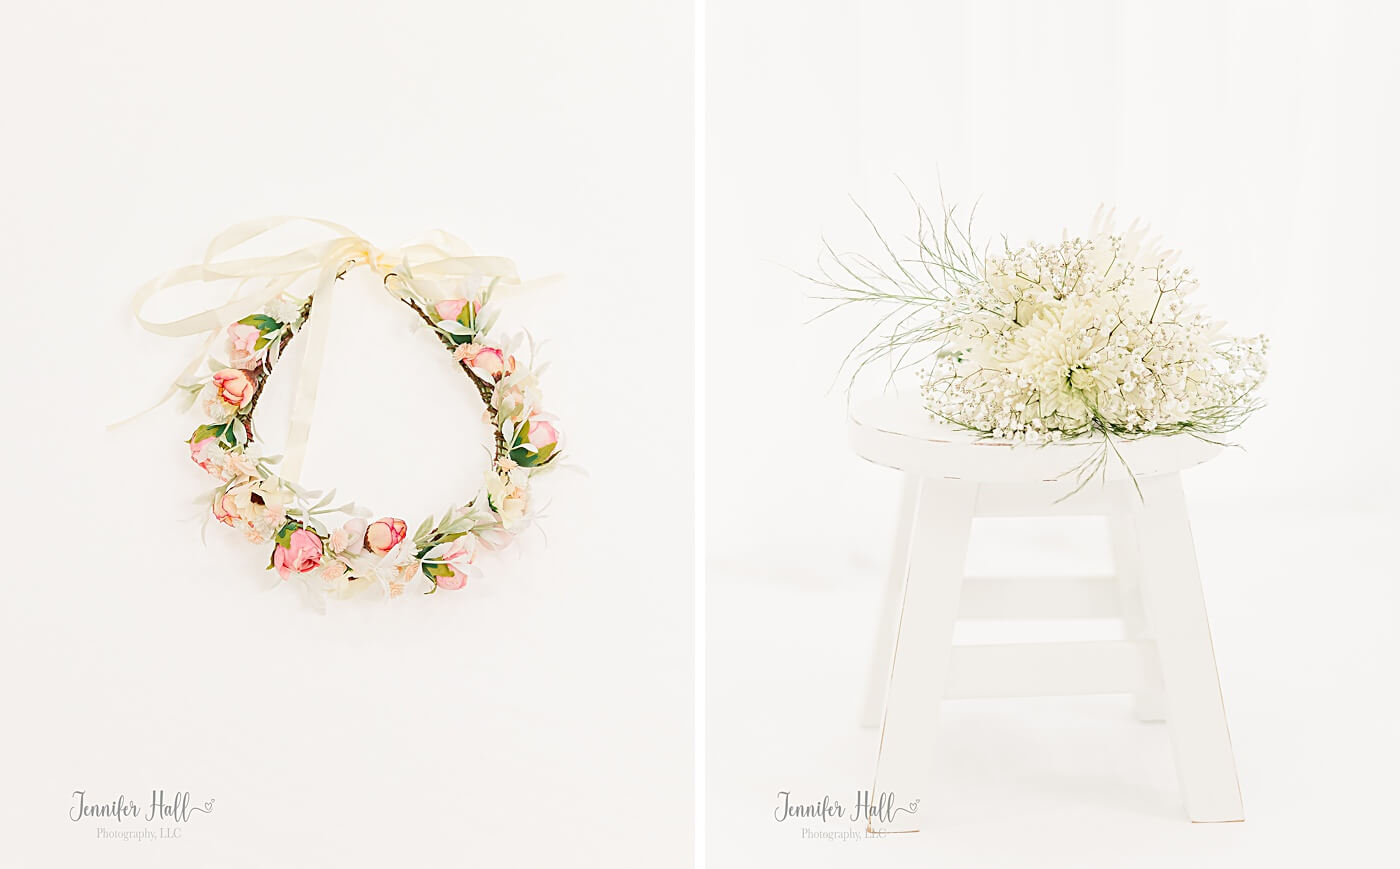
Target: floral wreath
(258, 494)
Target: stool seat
(898, 433)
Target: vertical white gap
(698, 385)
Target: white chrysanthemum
(214, 407)
(285, 309)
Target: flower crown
(259, 495)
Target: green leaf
(224, 432)
(205, 431)
(262, 322)
(283, 537)
(424, 528)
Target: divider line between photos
(699, 293)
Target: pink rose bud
(235, 387)
(484, 360)
(204, 452)
(225, 509)
(448, 565)
(537, 441)
(301, 554)
(450, 309)
(542, 434)
(243, 343)
(451, 579)
(492, 361)
(385, 534)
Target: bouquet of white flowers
(1093, 336)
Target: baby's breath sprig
(1093, 336)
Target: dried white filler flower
(1091, 336)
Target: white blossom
(1091, 334)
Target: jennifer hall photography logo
(831, 820)
(126, 819)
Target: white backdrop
(543, 716)
(1258, 139)
(1251, 136)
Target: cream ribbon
(437, 256)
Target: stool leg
(1150, 703)
(937, 556)
(1176, 616)
(889, 606)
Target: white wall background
(541, 717)
(1256, 137)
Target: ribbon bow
(407, 272)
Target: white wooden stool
(1165, 660)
